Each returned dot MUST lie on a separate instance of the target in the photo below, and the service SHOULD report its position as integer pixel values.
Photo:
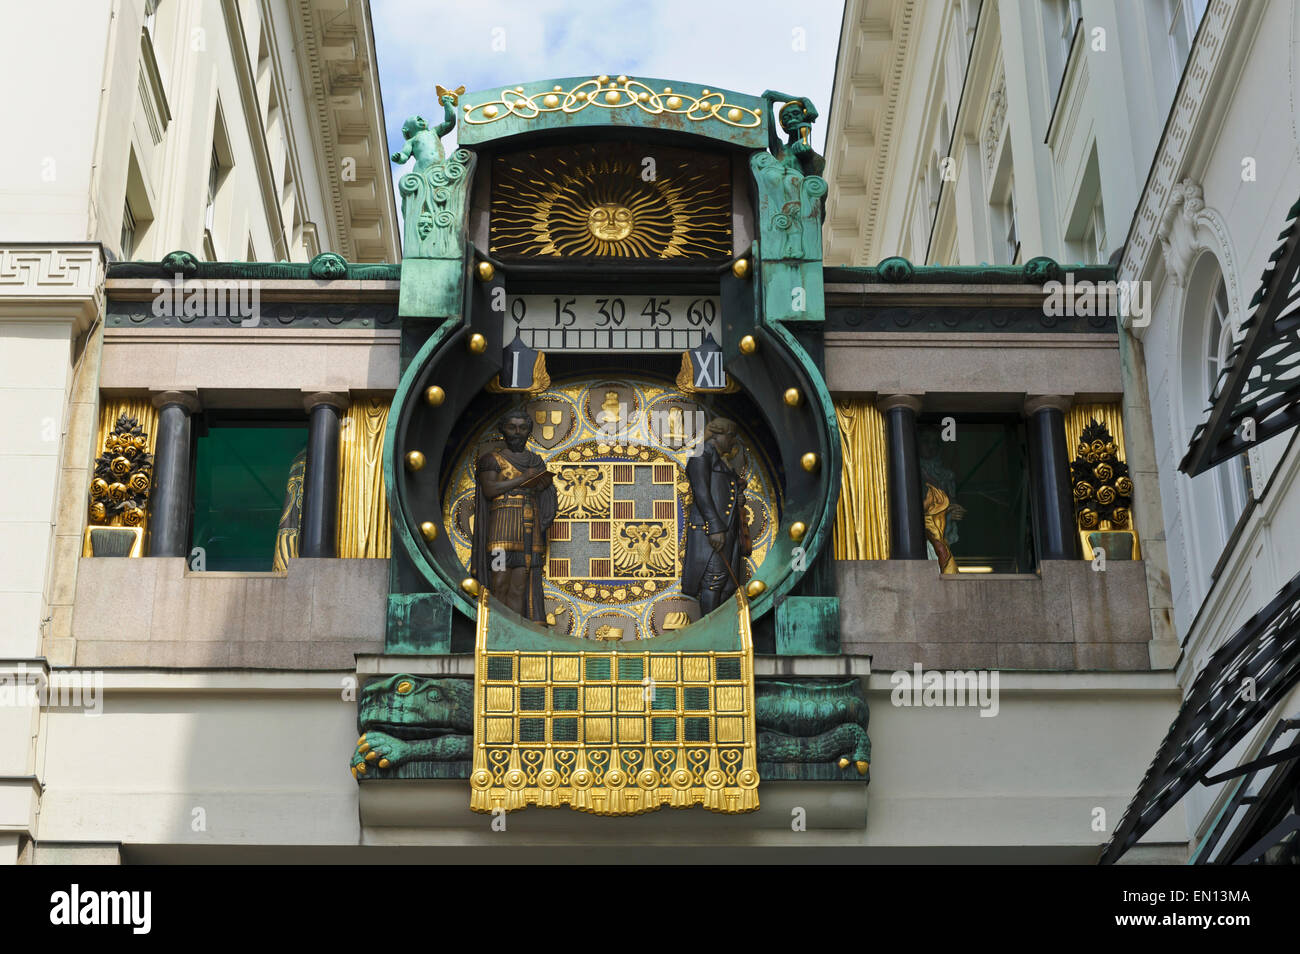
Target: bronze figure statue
(717, 531)
(514, 505)
(940, 507)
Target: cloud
(747, 47)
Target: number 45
(653, 311)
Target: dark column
(1050, 467)
(171, 500)
(320, 496)
(906, 527)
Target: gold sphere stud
(797, 530)
(704, 92)
(755, 588)
(519, 89)
(477, 343)
(734, 114)
(643, 97)
(581, 96)
(844, 763)
(470, 586)
(740, 268)
(668, 89)
(414, 460)
(622, 79)
(603, 78)
(793, 397)
(556, 89)
(429, 530)
(810, 461)
(520, 103)
(613, 96)
(490, 112)
(435, 396)
(861, 766)
(674, 102)
(748, 344)
(486, 271)
(551, 100)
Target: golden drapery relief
(364, 528)
(862, 515)
(110, 409)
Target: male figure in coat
(717, 531)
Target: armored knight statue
(717, 531)
(514, 505)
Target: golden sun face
(610, 222)
(611, 200)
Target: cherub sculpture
(423, 143)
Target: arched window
(1233, 476)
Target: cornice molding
(344, 95)
(881, 158)
(52, 282)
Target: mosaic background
(620, 449)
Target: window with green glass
(241, 474)
(975, 483)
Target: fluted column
(171, 502)
(906, 520)
(1049, 461)
(320, 499)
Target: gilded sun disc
(610, 222)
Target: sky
(721, 44)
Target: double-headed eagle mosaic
(583, 492)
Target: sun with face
(611, 200)
(610, 222)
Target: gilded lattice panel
(614, 733)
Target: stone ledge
(316, 616)
(1068, 617)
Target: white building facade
(1160, 137)
(1222, 185)
(241, 130)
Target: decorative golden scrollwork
(595, 201)
(620, 92)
